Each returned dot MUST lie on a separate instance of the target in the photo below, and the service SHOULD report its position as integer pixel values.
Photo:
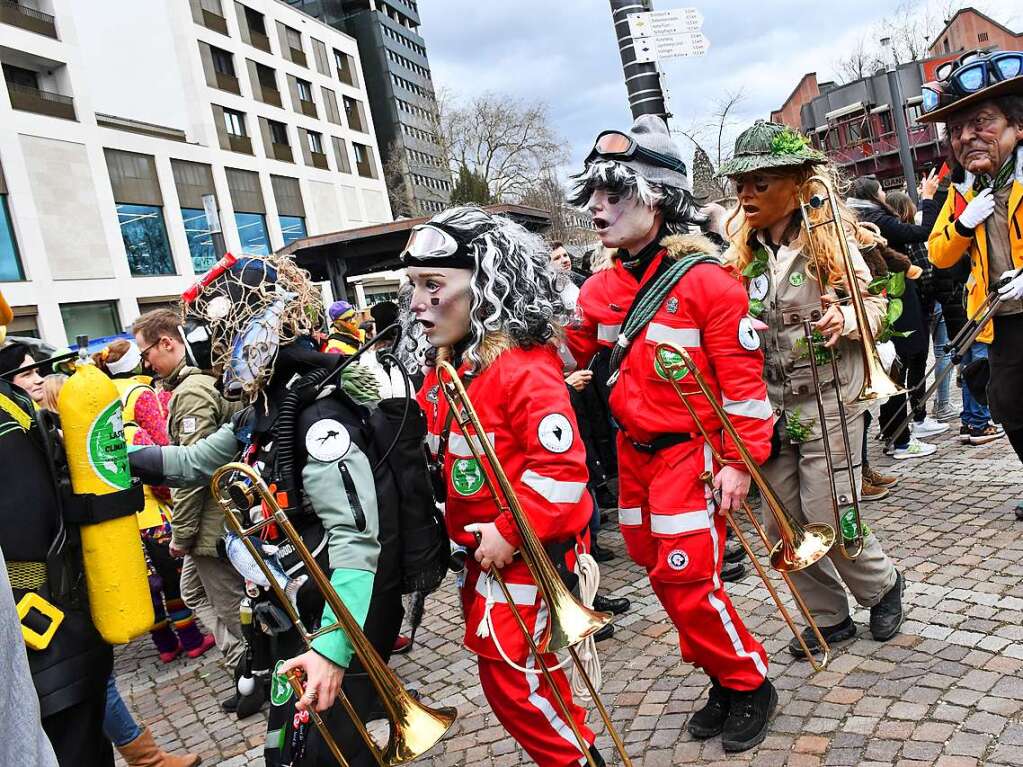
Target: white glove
(980, 207)
(1013, 289)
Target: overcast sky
(564, 52)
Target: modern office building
(401, 92)
(121, 116)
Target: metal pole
(642, 80)
(899, 113)
(209, 204)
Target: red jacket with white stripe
(707, 314)
(524, 406)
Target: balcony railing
(228, 82)
(259, 40)
(919, 135)
(18, 15)
(282, 152)
(212, 21)
(298, 57)
(29, 99)
(241, 144)
(308, 107)
(319, 160)
(269, 95)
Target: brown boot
(143, 752)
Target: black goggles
(976, 70)
(615, 145)
(429, 244)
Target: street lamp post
(901, 130)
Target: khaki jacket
(196, 410)
(949, 241)
(790, 295)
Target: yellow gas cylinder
(115, 566)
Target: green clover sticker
(796, 279)
(674, 360)
(280, 687)
(849, 528)
(466, 476)
(107, 451)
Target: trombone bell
(809, 543)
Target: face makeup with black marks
(623, 222)
(766, 198)
(441, 301)
(982, 138)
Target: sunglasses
(614, 145)
(975, 70)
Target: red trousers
(670, 526)
(526, 707)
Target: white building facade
(120, 116)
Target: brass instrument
(816, 195)
(415, 727)
(571, 622)
(799, 546)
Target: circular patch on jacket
(280, 688)
(749, 339)
(672, 305)
(758, 287)
(433, 394)
(327, 440)
(674, 360)
(796, 279)
(678, 560)
(466, 476)
(555, 433)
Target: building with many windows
(121, 116)
(401, 93)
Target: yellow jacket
(949, 242)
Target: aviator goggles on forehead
(968, 74)
(615, 145)
(429, 244)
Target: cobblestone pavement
(947, 691)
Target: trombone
(816, 196)
(415, 727)
(799, 545)
(571, 622)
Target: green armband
(355, 588)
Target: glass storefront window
(145, 239)
(293, 228)
(252, 232)
(200, 241)
(10, 260)
(96, 319)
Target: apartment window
(320, 57)
(344, 165)
(982, 37)
(293, 228)
(291, 44)
(346, 68)
(305, 91)
(364, 160)
(234, 122)
(222, 61)
(330, 105)
(278, 132)
(315, 142)
(254, 31)
(95, 319)
(200, 239)
(853, 132)
(10, 258)
(886, 123)
(252, 233)
(140, 212)
(353, 111)
(290, 208)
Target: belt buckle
(33, 601)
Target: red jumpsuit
(524, 406)
(667, 514)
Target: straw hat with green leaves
(765, 146)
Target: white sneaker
(945, 412)
(927, 427)
(915, 449)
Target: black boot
(887, 615)
(606, 632)
(601, 554)
(597, 758)
(748, 716)
(613, 605)
(710, 720)
(832, 634)
(730, 573)
(734, 552)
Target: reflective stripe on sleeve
(676, 524)
(553, 490)
(752, 408)
(657, 333)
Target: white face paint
(441, 301)
(622, 222)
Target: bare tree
(397, 181)
(507, 141)
(711, 141)
(567, 225)
(861, 61)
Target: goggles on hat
(934, 96)
(430, 244)
(615, 145)
(975, 70)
